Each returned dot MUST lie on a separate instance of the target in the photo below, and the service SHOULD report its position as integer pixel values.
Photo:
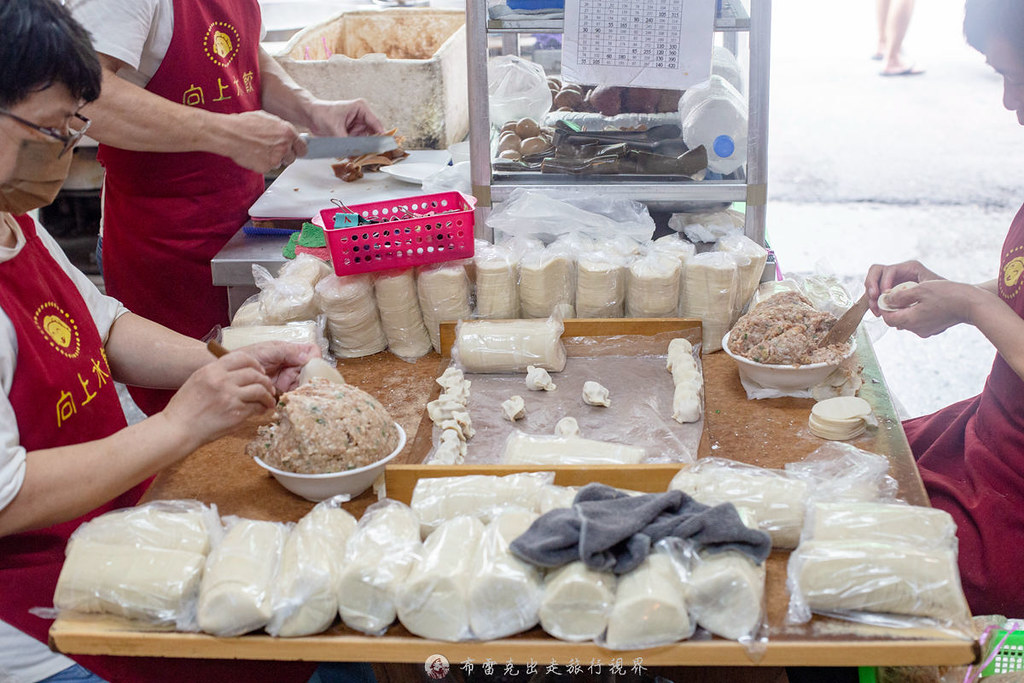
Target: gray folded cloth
(609, 530)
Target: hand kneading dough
(650, 608)
(577, 602)
(378, 558)
(304, 596)
(534, 449)
(444, 295)
(510, 346)
(513, 408)
(432, 601)
(727, 594)
(538, 379)
(400, 314)
(882, 523)
(504, 591)
(438, 499)
(776, 500)
(318, 367)
(352, 317)
(883, 298)
(234, 597)
(595, 394)
(876, 577)
(156, 585)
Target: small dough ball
(534, 145)
(514, 408)
(527, 128)
(595, 395)
(568, 98)
(509, 141)
(511, 155)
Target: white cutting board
(308, 185)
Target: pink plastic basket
(412, 231)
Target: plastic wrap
(304, 596)
(601, 278)
(504, 592)
(186, 525)
(708, 227)
(841, 472)
(921, 527)
(378, 558)
(751, 258)
(433, 600)
(674, 245)
(352, 318)
(497, 280)
(444, 294)
(284, 300)
(305, 332)
(653, 286)
(234, 596)
(576, 602)
(305, 268)
(516, 88)
(436, 500)
(650, 607)
(547, 282)
(546, 450)
(710, 282)
(553, 497)
(547, 214)
(249, 313)
(726, 593)
(776, 499)
(400, 315)
(509, 346)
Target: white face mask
(39, 173)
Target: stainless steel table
(232, 266)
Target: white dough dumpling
(595, 394)
(883, 299)
(538, 379)
(318, 367)
(567, 426)
(514, 408)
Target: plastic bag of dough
(305, 596)
(497, 280)
(352, 317)
(305, 268)
(234, 596)
(304, 332)
(436, 500)
(601, 284)
(554, 497)
(249, 313)
(378, 558)
(653, 286)
(576, 602)
(444, 294)
(400, 315)
(710, 281)
(491, 346)
(726, 593)
(547, 282)
(921, 527)
(187, 525)
(751, 258)
(841, 472)
(433, 600)
(545, 450)
(284, 300)
(674, 245)
(504, 591)
(650, 607)
(776, 499)
(707, 227)
(847, 577)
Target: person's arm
(130, 117)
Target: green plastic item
(312, 236)
(289, 249)
(867, 674)
(1010, 657)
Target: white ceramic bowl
(784, 377)
(317, 487)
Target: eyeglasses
(70, 139)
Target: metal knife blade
(319, 148)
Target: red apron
(165, 215)
(62, 394)
(971, 458)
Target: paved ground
(865, 169)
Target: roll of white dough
(541, 449)
(497, 281)
(546, 283)
(577, 602)
(509, 346)
(710, 282)
(378, 558)
(352, 317)
(236, 337)
(876, 577)
(601, 285)
(400, 315)
(653, 286)
(650, 607)
(173, 525)
(504, 591)
(436, 500)
(234, 596)
(304, 595)
(882, 523)
(727, 594)
(443, 291)
(433, 600)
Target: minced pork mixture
(785, 329)
(323, 427)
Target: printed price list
(639, 34)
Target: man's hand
(342, 118)
(259, 141)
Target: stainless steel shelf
(678, 195)
(734, 17)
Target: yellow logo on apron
(1012, 271)
(221, 43)
(59, 329)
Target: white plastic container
(715, 116)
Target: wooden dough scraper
(846, 325)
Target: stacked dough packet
(444, 294)
(839, 419)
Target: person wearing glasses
(192, 114)
(66, 454)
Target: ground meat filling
(325, 427)
(785, 329)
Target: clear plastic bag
(921, 527)
(304, 332)
(444, 294)
(497, 276)
(249, 313)
(516, 89)
(710, 284)
(549, 449)
(547, 282)
(653, 286)
(751, 258)
(284, 300)
(439, 499)
(708, 227)
(498, 346)
(400, 315)
(576, 602)
(547, 214)
(450, 178)
(840, 472)
(353, 321)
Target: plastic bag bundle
(880, 523)
(675, 245)
(497, 281)
(491, 346)
(622, 245)
(444, 294)
(234, 596)
(601, 284)
(653, 286)
(841, 472)
(750, 261)
(516, 88)
(726, 592)
(249, 313)
(289, 298)
(304, 596)
(577, 601)
(305, 332)
(709, 288)
(378, 558)
(547, 284)
(545, 450)
(650, 607)
(400, 315)
(352, 318)
(708, 227)
(436, 500)
(546, 215)
(305, 268)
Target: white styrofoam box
(408, 63)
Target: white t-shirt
(137, 32)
